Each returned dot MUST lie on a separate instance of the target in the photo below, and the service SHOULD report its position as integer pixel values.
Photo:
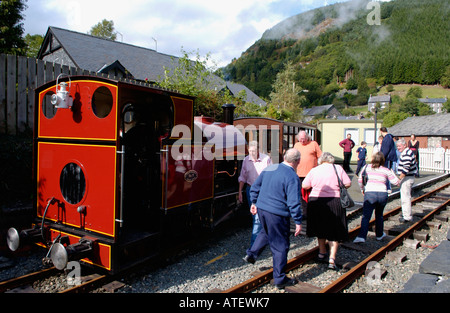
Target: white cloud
(224, 29)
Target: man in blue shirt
(362, 155)
(275, 197)
(388, 148)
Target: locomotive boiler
(122, 170)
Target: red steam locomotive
(120, 168)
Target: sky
(223, 29)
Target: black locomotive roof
(119, 83)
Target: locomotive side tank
(120, 170)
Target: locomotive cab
(146, 122)
(116, 179)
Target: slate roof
(428, 125)
(93, 53)
(317, 110)
(382, 98)
(251, 96)
(433, 100)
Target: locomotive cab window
(48, 108)
(102, 102)
(129, 119)
(72, 183)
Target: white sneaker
(359, 240)
(381, 237)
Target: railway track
(26, 279)
(438, 199)
(263, 278)
(23, 284)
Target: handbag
(346, 200)
(364, 176)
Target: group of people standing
(305, 186)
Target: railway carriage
(274, 136)
(121, 169)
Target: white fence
(431, 160)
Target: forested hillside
(335, 47)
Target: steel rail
(89, 285)
(264, 277)
(26, 279)
(346, 279)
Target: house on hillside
(325, 111)
(383, 100)
(436, 104)
(429, 129)
(122, 60)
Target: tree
(272, 112)
(11, 28)
(363, 88)
(34, 43)
(285, 95)
(195, 78)
(425, 109)
(392, 118)
(188, 76)
(351, 84)
(446, 106)
(414, 92)
(410, 106)
(445, 79)
(104, 29)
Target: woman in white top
(377, 145)
(375, 195)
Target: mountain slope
(333, 44)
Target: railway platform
(433, 272)
(358, 198)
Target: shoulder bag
(364, 176)
(346, 200)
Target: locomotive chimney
(228, 113)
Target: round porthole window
(102, 102)
(72, 183)
(48, 108)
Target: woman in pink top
(375, 195)
(327, 220)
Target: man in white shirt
(252, 166)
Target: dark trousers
(303, 202)
(256, 223)
(361, 164)
(388, 164)
(347, 157)
(275, 231)
(373, 201)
